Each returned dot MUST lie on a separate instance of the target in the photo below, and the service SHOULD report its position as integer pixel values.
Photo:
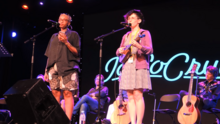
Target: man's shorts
(69, 82)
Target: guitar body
(189, 114)
(123, 58)
(120, 116)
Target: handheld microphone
(53, 22)
(125, 24)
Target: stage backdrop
(183, 34)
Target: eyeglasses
(97, 79)
(63, 20)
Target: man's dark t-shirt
(57, 52)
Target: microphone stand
(154, 95)
(197, 78)
(99, 40)
(33, 39)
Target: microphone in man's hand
(53, 22)
(125, 24)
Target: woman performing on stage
(135, 78)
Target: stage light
(25, 7)
(13, 34)
(41, 3)
(69, 1)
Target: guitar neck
(190, 87)
(120, 96)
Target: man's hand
(62, 37)
(93, 94)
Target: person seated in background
(89, 101)
(208, 91)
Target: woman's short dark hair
(137, 12)
(102, 78)
(213, 70)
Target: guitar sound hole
(188, 104)
(120, 106)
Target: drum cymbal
(2, 101)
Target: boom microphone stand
(99, 40)
(33, 39)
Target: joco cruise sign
(161, 72)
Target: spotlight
(41, 3)
(13, 34)
(25, 7)
(69, 1)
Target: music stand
(3, 51)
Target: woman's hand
(121, 50)
(136, 44)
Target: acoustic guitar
(189, 112)
(120, 114)
(123, 58)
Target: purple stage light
(41, 3)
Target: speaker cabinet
(31, 102)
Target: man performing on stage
(89, 101)
(135, 78)
(62, 64)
